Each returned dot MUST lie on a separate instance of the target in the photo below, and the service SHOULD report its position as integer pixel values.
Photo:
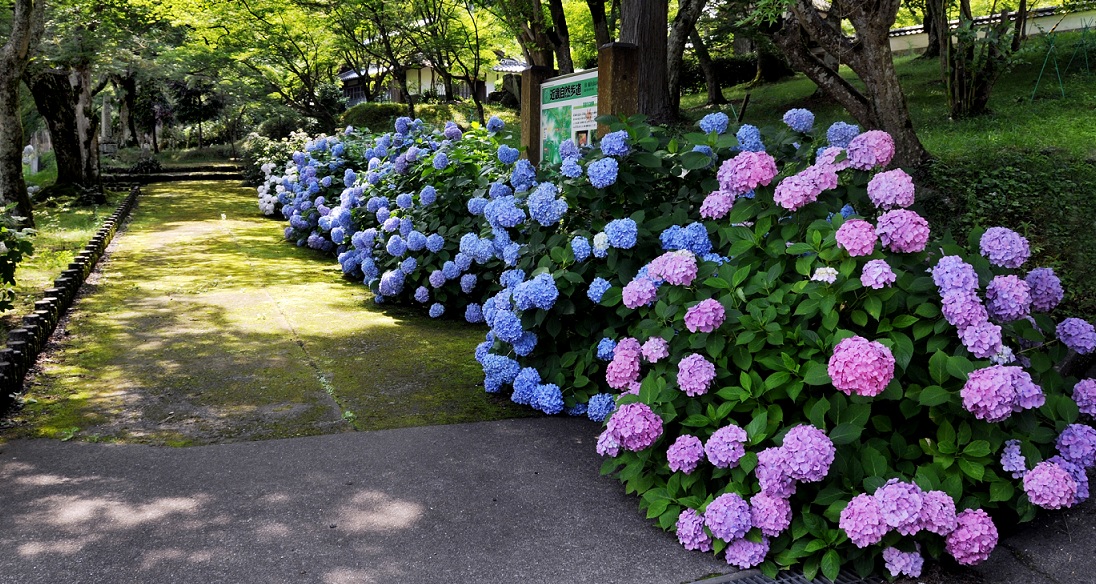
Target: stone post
(617, 81)
(531, 79)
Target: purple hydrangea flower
(655, 348)
(808, 453)
(1004, 247)
(772, 473)
(1046, 289)
(772, 515)
(862, 520)
(1049, 486)
(1078, 335)
(705, 316)
(695, 374)
(690, 531)
(861, 366)
(937, 512)
(857, 237)
(728, 517)
(1077, 444)
(903, 231)
(973, 539)
(745, 172)
(726, 446)
(1012, 460)
(1077, 472)
(870, 149)
(982, 339)
(901, 505)
(1008, 298)
(634, 426)
(684, 454)
(745, 554)
(607, 444)
(1084, 393)
(900, 563)
(890, 189)
(877, 274)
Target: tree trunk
(601, 23)
(688, 12)
(560, 37)
(643, 23)
(26, 29)
(935, 12)
(401, 80)
(711, 80)
(868, 55)
(63, 97)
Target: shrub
(15, 244)
(373, 115)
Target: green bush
(376, 116)
(15, 244)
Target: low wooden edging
(25, 343)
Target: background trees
(23, 28)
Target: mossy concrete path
(204, 326)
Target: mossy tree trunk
(26, 29)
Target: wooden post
(617, 81)
(531, 79)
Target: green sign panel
(568, 111)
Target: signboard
(568, 110)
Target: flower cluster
(861, 366)
(995, 392)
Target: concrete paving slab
(508, 501)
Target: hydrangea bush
(863, 389)
(791, 367)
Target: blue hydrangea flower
(507, 155)
(441, 160)
(325, 181)
(482, 350)
(523, 175)
(840, 134)
(498, 370)
(416, 241)
(549, 399)
(511, 253)
(463, 261)
(749, 139)
(473, 313)
(616, 143)
(422, 294)
(621, 233)
(498, 190)
(396, 247)
(799, 119)
(369, 270)
(570, 168)
(405, 201)
(436, 310)
(511, 278)
(476, 205)
(600, 407)
(543, 205)
(383, 214)
(715, 122)
(408, 265)
(715, 258)
(525, 386)
(391, 283)
(349, 260)
(503, 212)
(450, 270)
(568, 149)
(707, 150)
(598, 288)
(376, 203)
(603, 172)
(539, 292)
(495, 124)
(605, 349)
(575, 410)
(338, 234)
(525, 344)
(452, 131)
(580, 246)
(507, 326)
(434, 243)
(403, 125)
(467, 283)
(428, 195)
(437, 279)
(349, 177)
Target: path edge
(26, 342)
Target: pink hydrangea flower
(862, 520)
(728, 517)
(877, 274)
(861, 366)
(695, 374)
(808, 453)
(623, 370)
(900, 563)
(639, 292)
(676, 267)
(973, 539)
(799, 190)
(1084, 393)
(635, 426)
(684, 454)
(937, 512)
(690, 531)
(655, 348)
(705, 316)
(772, 515)
(871, 149)
(745, 554)
(627, 348)
(903, 231)
(1028, 395)
(1004, 247)
(716, 205)
(1046, 289)
(726, 446)
(901, 505)
(746, 171)
(829, 154)
(1008, 298)
(982, 339)
(890, 189)
(857, 237)
(1049, 486)
(991, 393)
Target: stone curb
(26, 342)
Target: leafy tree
(23, 31)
